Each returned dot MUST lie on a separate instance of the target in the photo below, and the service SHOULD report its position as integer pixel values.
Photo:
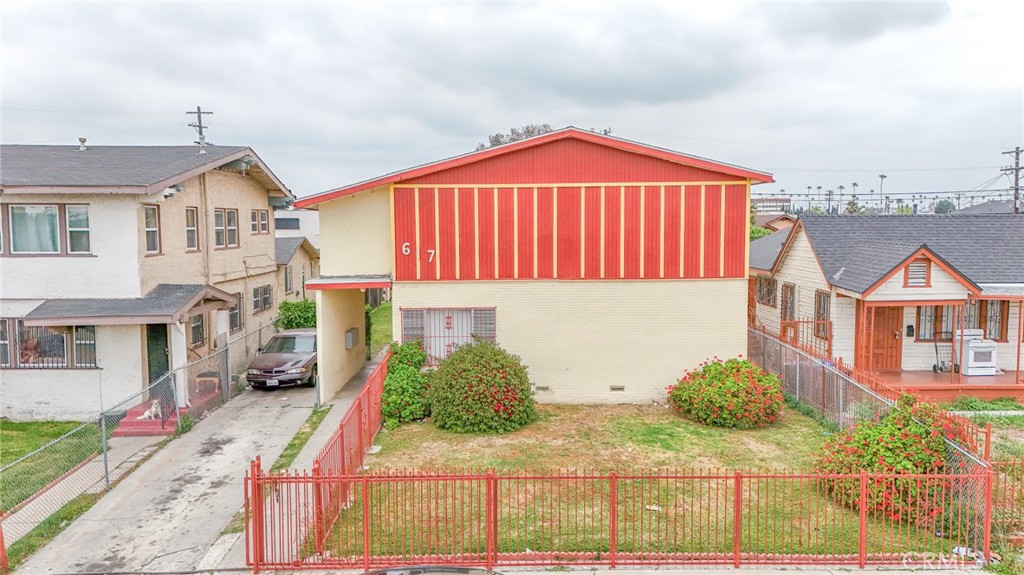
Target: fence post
(842, 401)
(174, 391)
(318, 509)
(862, 532)
(799, 364)
(4, 566)
(103, 443)
(258, 541)
(988, 441)
(737, 518)
(987, 542)
(490, 520)
(366, 524)
(613, 518)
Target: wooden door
(887, 338)
(787, 313)
(156, 351)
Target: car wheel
(311, 381)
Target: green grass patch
(24, 479)
(381, 336)
(974, 404)
(21, 438)
(49, 528)
(285, 460)
(1000, 421)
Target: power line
(1016, 177)
(198, 125)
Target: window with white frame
(35, 229)
(443, 330)
(197, 330)
(264, 221)
(192, 229)
(225, 228)
(77, 222)
(288, 279)
(259, 221)
(152, 227)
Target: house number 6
(407, 250)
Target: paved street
(167, 514)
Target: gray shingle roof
(764, 251)
(985, 248)
(993, 207)
(161, 304)
(101, 165)
(284, 249)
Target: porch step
(131, 426)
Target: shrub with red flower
(910, 439)
(732, 393)
(481, 388)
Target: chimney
(81, 144)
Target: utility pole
(198, 125)
(1016, 177)
(881, 183)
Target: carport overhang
(361, 282)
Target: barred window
(85, 346)
(483, 324)
(767, 288)
(5, 343)
(989, 315)
(413, 321)
(197, 324)
(443, 330)
(39, 347)
(822, 313)
(935, 323)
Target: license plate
(271, 383)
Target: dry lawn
(604, 437)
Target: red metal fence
(1008, 495)
(585, 518)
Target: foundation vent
(617, 388)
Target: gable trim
(927, 252)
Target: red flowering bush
(910, 439)
(481, 388)
(732, 393)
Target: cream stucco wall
(336, 312)
(112, 270)
(355, 234)
(301, 271)
(78, 394)
(214, 189)
(580, 338)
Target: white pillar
(179, 357)
(221, 326)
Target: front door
(156, 350)
(886, 338)
(787, 313)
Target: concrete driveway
(166, 515)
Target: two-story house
(119, 263)
(611, 267)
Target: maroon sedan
(289, 358)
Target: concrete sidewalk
(122, 454)
(229, 551)
(168, 513)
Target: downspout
(1020, 337)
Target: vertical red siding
(569, 233)
(427, 241)
(631, 245)
(467, 234)
(545, 233)
(525, 198)
(592, 232)
(673, 229)
(691, 233)
(485, 243)
(712, 231)
(652, 232)
(506, 234)
(735, 231)
(446, 233)
(612, 231)
(405, 233)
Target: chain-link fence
(76, 468)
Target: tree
(757, 232)
(516, 134)
(853, 207)
(945, 207)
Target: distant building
(778, 205)
(774, 222)
(298, 223)
(991, 207)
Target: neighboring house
(609, 266)
(773, 205)
(774, 222)
(297, 262)
(122, 262)
(990, 207)
(896, 291)
(293, 223)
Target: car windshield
(291, 344)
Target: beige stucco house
(611, 267)
(297, 261)
(119, 263)
(893, 294)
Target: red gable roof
(528, 160)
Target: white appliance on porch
(979, 354)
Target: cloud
(847, 22)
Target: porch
(945, 387)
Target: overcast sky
(820, 94)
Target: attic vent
(917, 273)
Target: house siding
(300, 269)
(943, 286)
(357, 234)
(801, 269)
(579, 338)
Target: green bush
(405, 388)
(732, 393)
(296, 314)
(910, 439)
(481, 388)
